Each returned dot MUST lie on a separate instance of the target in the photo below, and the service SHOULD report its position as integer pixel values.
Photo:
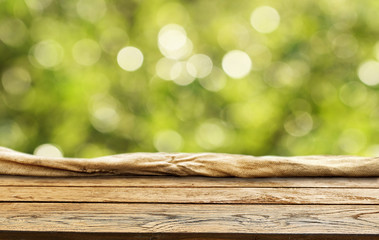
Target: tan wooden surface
(192, 195)
(201, 218)
(8, 235)
(198, 182)
(187, 206)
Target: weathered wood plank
(195, 182)
(192, 195)
(184, 218)
(176, 236)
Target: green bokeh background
(303, 95)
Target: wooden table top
(189, 208)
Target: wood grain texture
(6, 235)
(184, 218)
(189, 182)
(192, 195)
(188, 208)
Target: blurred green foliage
(312, 87)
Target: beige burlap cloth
(189, 164)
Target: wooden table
(188, 208)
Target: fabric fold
(189, 164)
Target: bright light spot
(199, 65)
(265, 19)
(130, 58)
(168, 141)
(169, 69)
(113, 39)
(163, 68)
(172, 37)
(173, 42)
(180, 74)
(37, 5)
(352, 141)
(353, 94)
(91, 10)
(179, 54)
(368, 73)
(48, 150)
(48, 53)
(12, 32)
(215, 81)
(104, 115)
(300, 124)
(210, 135)
(16, 80)
(86, 52)
(236, 64)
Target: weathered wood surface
(192, 195)
(198, 182)
(9, 235)
(189, 208)
(200, 218)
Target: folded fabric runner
(189, 164)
